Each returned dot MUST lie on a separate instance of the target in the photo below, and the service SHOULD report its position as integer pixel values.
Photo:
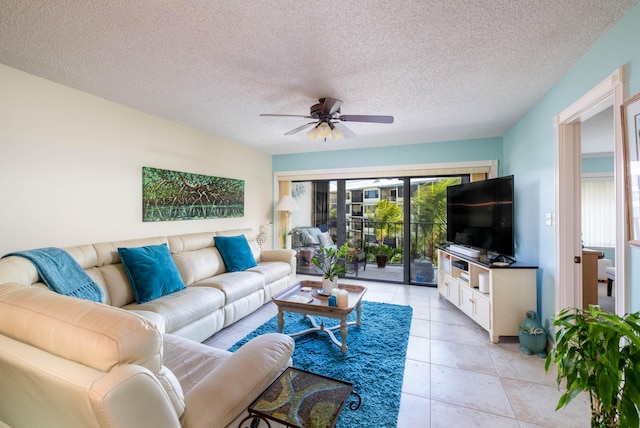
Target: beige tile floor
(454, 376)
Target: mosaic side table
(301, 399)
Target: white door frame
(568, 245)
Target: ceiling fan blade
(300, 128)
(286, 115)
(346, 131)
(330, 106)
(366, 118)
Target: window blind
(598, 213)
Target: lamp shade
(287, 203)
(336, 134)
(313, 133)
(324, 130)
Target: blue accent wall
(529, 151)
(440, 152)
(601, 164)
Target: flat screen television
(480, 215)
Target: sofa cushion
(190, 241)
(85, 255)
(272, 271)
(310, 236)
(151, 271)
(235, 285)
(190, 361)
(325, 239)
(235, 252)
(117, 283)
(19, 270)
(62, 273)
(195, 265)
(248, 233)
(232, 382)
(107, 252)
(183, 307)
(307, 238)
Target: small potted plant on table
(331, 262)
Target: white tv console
(511, 291)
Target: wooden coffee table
(310, 303)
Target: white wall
(71, 167)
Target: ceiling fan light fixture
(336, 134)
(313, 133)
(326, 115)
(324, 130)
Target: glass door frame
(487, 167)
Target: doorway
(568, 279)
(598, 207)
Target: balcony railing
(365, 234)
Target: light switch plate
(548, 219)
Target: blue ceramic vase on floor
(533, 338)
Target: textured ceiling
(446, 70)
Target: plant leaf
(605, 389)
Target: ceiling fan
(327, 120)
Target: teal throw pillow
(235, 252)
(151, 271)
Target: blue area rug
(374, 363)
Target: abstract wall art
(173, 195)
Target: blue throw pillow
(235, 252)
(151, 271)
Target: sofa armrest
(237, 381)
(153, 317)
(93, 334)
(283, 255)
(125, 396)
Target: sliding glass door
(428, 225)
(392, 225)
(374, 226)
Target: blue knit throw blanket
(62, 273)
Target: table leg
(343, 333)
(255, 421)
(359, 313)
(280, 321)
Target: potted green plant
(385, 214)
(383, 254)
(331, 262)
(599, 353)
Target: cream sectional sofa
(213, 298)
(67, 362)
